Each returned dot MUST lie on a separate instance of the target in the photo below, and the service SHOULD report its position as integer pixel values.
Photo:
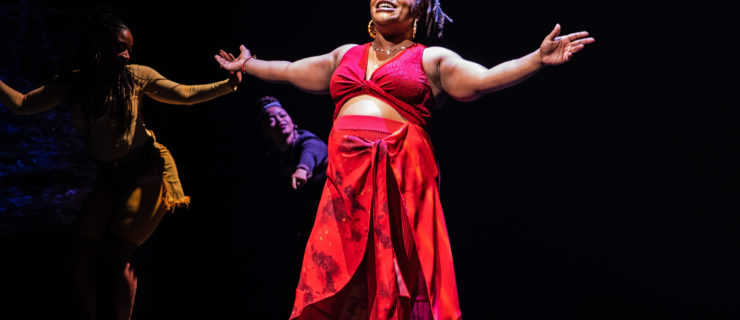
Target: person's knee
(140, 214)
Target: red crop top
(400, 82)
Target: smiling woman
(379, 247)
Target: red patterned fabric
(401, 82)
(378, 228)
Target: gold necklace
(391, 50)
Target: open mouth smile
(385, 6)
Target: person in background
(137, 180)
(300, 154)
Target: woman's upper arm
(459, 78)
(314, 73)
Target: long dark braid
(435, 17)
(113, 92)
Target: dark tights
(104, 280)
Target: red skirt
(382, 177)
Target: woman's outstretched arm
(36, 101)
(465, 80)
(310, 74)
(164, 90)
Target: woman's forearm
(272, 71)
(510, 73)
(171, 92)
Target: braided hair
(434, 16)
(113, 92)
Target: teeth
(385, 5)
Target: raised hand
(235, 77)
(556, 49)
(236, 64)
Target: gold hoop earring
(413, 34)
(371, 29)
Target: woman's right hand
(238, 63)
(299, 178)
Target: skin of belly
(366, 105)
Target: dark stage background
(602, 189)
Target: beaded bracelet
(245, 61)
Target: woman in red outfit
(379, 247)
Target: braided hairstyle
(114, 90)
(434, 16)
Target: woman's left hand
(235, 77)
(556, 50)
